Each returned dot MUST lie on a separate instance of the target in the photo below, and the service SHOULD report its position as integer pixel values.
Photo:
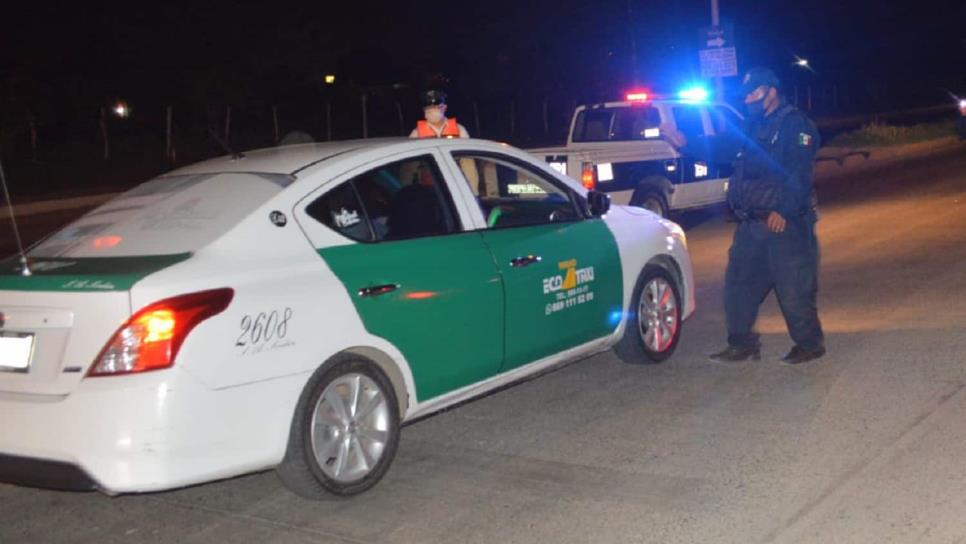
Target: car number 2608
(264, 327)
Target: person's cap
(756, 77)
(433, 98)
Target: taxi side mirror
(598, 202)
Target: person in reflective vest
(435, 124)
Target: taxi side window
(404, 199)
(688, 121)
(511, 195)
(341, 211)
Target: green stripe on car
(83, 274)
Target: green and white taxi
(293, 307)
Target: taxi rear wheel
(654, 321)
(344, 433)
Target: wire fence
(108, 146)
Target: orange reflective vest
(450, 130)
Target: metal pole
(328, 121)
(630, 23)
(718, 82)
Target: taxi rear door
(392, 235)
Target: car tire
(656, 295)
(344, 432)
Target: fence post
(107, 145)
(365, 116)
(402, 121)
(546, 122)
(168, 149)
(227, 125)
(513, 117)
(275, 122)
(476, 117)
(33, 137)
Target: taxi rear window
(622, 124)
(164, 216)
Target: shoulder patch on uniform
(804, 139)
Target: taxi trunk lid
(49, 339)
(55, 321)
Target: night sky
(235, 51)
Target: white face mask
(434, 116)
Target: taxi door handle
(520, 262)
(377, 290)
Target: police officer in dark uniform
(772, 194)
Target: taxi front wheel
(654, 320)
(344, 433)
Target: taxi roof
(290, 159)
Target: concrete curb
(832, 161)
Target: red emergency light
(637, 96)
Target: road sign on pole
(717, 52)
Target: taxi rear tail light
(151, 338)
(588, 176)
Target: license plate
(15, 350)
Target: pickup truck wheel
(653, 202)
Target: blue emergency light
(693, 94)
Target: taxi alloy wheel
(349, 427)
(658, 315)
(654, 324)
(345, 431)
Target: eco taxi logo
(569, 288)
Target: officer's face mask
(755, 109)
(434, 115)
(755, 102)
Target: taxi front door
(561, 271)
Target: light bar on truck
(693, 94)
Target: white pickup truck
(631, 151)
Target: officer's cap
(433, 98)
(756, 77)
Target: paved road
(865, 445)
